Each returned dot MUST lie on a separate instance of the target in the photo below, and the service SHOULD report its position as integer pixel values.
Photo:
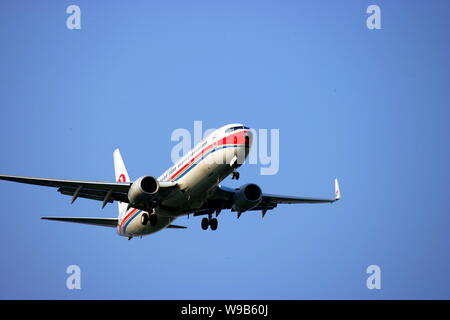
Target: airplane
(190, 186)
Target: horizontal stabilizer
(104, 222)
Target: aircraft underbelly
(206, 175)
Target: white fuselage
(196, 174)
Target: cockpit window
(236, 128)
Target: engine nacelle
(248, 197)
(143, 190)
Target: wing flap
(94, 194)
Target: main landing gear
(146, 218)
(234, 164)
(208, 222)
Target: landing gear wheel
(213, 223)
(153, 219)
(144, 219)
(235, 176)
(205, 223)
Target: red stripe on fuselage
(240, 139)
(125, 219)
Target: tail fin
(121, 176)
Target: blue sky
(370, 107)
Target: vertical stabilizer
(121, 176)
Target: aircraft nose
(248, 138)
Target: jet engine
(248, 197)
(143, 190)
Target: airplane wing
(222, 198)
(107, 192)
(272, 198)
(105, 222)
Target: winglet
(337, 191)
